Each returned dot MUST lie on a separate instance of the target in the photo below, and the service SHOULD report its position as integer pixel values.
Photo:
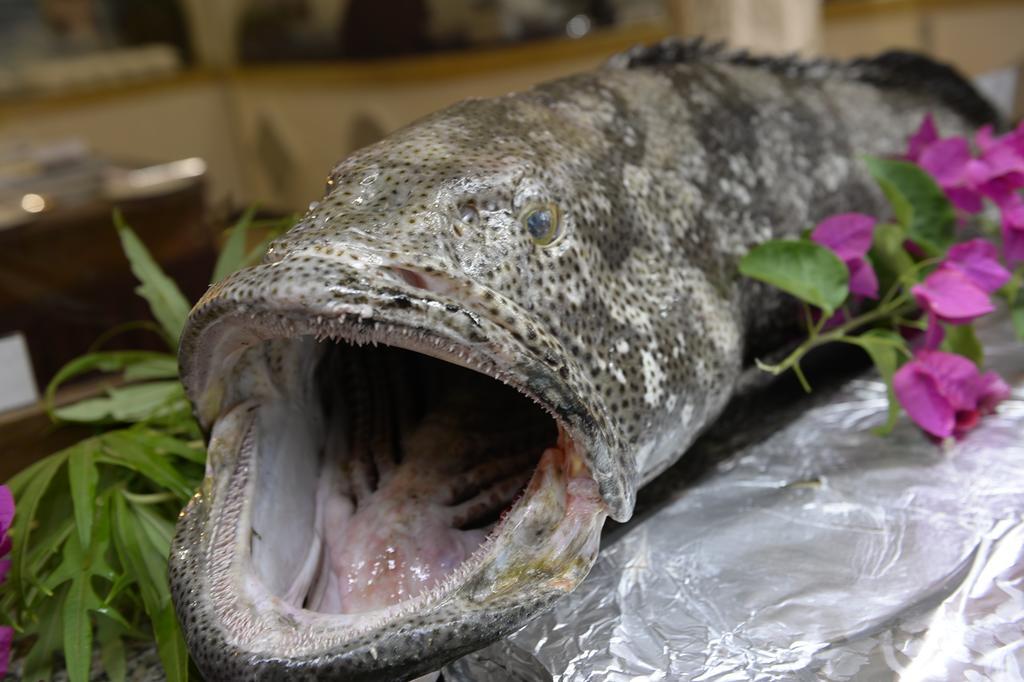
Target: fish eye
(468, 213)
(542, 224)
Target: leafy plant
(94, 522)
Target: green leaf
(890, 259)
(120, 448)
(140, 558)
(170, 644)
(159, 531)
(78, 629)
(126, 404)
(49, 640)
(25, 513)
(105, 361)
(112, 650)
(162, 367)
(961, 339)
(804, 269)
(82, 477)
(1017, 317)
(169, 306)
(918, 202)
(192, 450)
(233, 253)
(884, 347)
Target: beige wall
(153, 124)
(978, 36)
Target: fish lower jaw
(330, 533)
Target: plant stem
(792, 361)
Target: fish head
(408, 455)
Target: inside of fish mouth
(383, 472)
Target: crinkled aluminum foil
(819, 551)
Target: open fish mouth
(384, 493)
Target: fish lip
(232, 314)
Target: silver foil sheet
(793, 543)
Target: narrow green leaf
(192, 450)
(170, 644)
(169, 306)
(890, 259)
(962, 340)
(49, 640)
(233, 252)
(804, 269)
(82, 477)
(121, 449)
(25, 513)
(105, 361)
(162, 367)
(71, 564)
(884, 347)
(126, 404)
(112, 653)
(160, 531)
(1017, 316)
(77, 629)
(919, 203)
(140, 558)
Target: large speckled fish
(497, 324)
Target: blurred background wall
(270, 93)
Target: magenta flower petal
(965, 199)
(1013, 230)
(5, 545)
(6, 639)
(926, 134)
(5, 566)
(946, 160)
(933, 333)
(956, 376)
(863, 280)
(978, 259)
(6, 508)
(944, 394)
(952, 297)
(918, 392)
(848, 234)
(985, 139)
(992, 390)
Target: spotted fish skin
(633, 326)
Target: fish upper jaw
(541, 549)
(367, 296)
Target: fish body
(363, 516)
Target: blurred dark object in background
(372, 29)
(51, 46)
(143, 22)
(279, 30)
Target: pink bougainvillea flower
(948, 162)
(849, 236)
(998, 174)
(926, 134)
(1013, 230)
(978, 260)
(949, 295)
(944, 393)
